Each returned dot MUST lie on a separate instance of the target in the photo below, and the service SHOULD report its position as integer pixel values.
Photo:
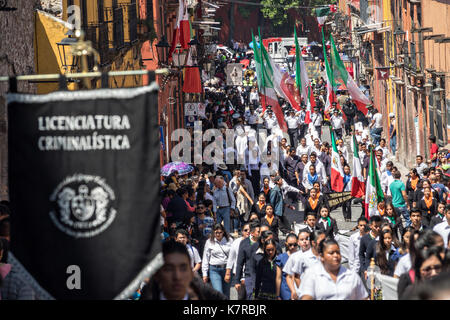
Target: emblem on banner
(82, 206)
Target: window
(101, 9)
(132, 21)
(413, 56)
(84, 12)
(118, 27)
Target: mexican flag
(302, 80)
(331, 96)
(357, 177)
(265, 69)
(357, 95)
(182, 31)
(337, 173)
(374, 192)
(323, 12)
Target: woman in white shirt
(215, 258)
(330, 280)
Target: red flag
(382, 73)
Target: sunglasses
(246, 230)
(292, 245)
(201, 207)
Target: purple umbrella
(182, 168)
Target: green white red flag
(337, 173)
(374, 192)
(331, 96)
(357, 95)
(358, 186)
(265, 78)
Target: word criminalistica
(85, 122)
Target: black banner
(84, 190)
(337, 199)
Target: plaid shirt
(15, 288)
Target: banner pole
(84, 75)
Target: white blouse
(318, 284)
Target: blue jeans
(393, 144)
(404, 212)
(217, 276)
(375, 133)
(223, 214)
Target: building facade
(404, 38)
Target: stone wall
(16, 57)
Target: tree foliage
(277, 10)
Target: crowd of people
(232, 218)
(226, 230)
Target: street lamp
(438, 92)
(67, 59)
(161, 50)
(193, 45)
(179, 56)
(428, 86)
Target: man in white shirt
(376, 127)
(420, 165)
(386, 178)
(292, 121)
(337, 123)
(270, 121)
(443, 228)
(316, 120)
(182, 236)
(233, 255)
(353, 247)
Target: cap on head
(391, 115)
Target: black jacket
(436, 219)
(364, 260)
(274, 227)
(428, 212)
(260, 212)
(316, 210)
(331, 230)
(266, 274)
(410, 191)
(177, 208)
(245, 257)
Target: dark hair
(375, 219)
(414, 170)
(315, 235)
(245, 224)
(419, 156)
(380, 252)
(254, 225)
(364, 219)
(432, 139)
(172, 246)
(310, 213)
(430, 290)
(269, 242)
(313, 154)
(325, 243)
(181, 231)
(423, 255)
(181, 191)
(201, 191)
(218, 226)
(397, 175)
(292, 235)
(393, 209)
